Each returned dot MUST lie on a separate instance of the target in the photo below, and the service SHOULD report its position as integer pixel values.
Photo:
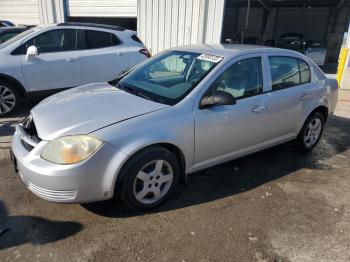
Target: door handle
(305, 96)
(119, 53)
(259, 108)
(71, 59)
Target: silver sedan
(181, 111)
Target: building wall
(162, 24)
(51, 11)
(32, 12)
(102, 8)
(20, 11)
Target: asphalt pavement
(275, 205)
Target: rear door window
(98, 39)
(288, 72)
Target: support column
(52, 11)
(345, 81)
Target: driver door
(229, 131)
(58, 64)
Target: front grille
(29, 126)
(54, 195)
(26, 145)
(29, 138)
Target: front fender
(174, 127)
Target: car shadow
(18, 230)
(8, 124)
(243, 174)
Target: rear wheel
(9, 99)
(311, 132)
(149, 178)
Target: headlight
(70, 149)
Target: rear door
(58, 64)
(103, 57)
(290, 93)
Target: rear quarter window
(99, 39)
(136, 39)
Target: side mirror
(219, 98)
(32, 51)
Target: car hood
(85, 109)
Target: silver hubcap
(313, 132)
(7, 100)
(153, 181)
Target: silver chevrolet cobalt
(184, 110)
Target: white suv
(47, 59)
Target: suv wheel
(9, 99)
(149, 178)
(311, 132)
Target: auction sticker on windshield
(211, 58)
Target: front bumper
(90, 180)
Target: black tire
(17, 99)
(134, 165)
(300, 141)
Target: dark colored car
(4, 23)
(8, 32)
(292, 41)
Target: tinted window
(135, 38)
(288, 72)
(6, 36)
(55, 41)
(98, 39)
(242, 79)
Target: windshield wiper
(135, 91)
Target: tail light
(145, 52)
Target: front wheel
(9, 99)
(149, 178)
(311, 132)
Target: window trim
(298, 59)
(238, 59)
(23, 45)
(309, 78)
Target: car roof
(110, 27)
(91, 26)
(226, 50)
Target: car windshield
(17, 37)
(169, 77)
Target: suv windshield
(169, 77)
(17, 37)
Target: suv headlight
(70, 149)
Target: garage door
(101, 8)
(20, 11)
